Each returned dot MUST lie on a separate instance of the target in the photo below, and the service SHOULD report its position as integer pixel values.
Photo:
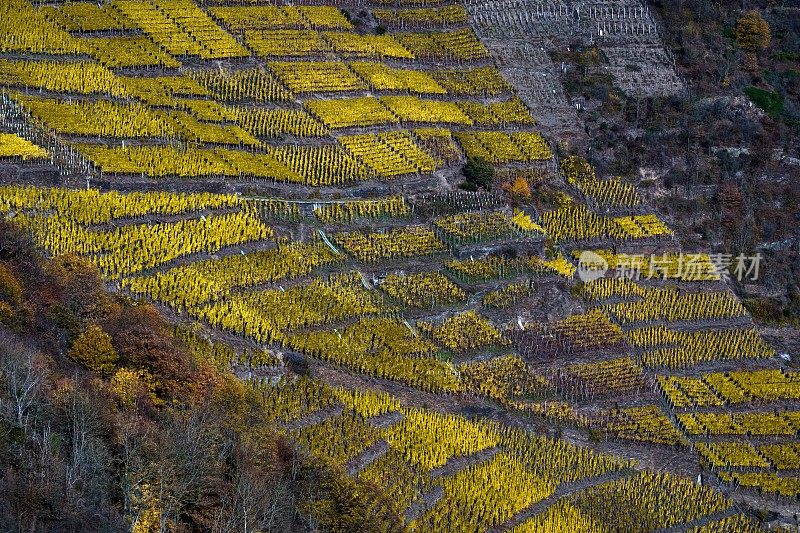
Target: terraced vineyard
(285, 177)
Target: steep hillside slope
(422, 261)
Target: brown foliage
(730, 199)
(10, 296)
(143, 341)
(82, 290)
(10, 287)
(519, 187)
(752, 32)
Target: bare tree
(22, 380)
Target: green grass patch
(770, 102)
(787, 56)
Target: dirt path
(317, 417)
(337, 376)
(425, 503)
(386, 420)
(365, 458)
(699, 522)
(452, 467)
(457, 464)
(562, 491)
